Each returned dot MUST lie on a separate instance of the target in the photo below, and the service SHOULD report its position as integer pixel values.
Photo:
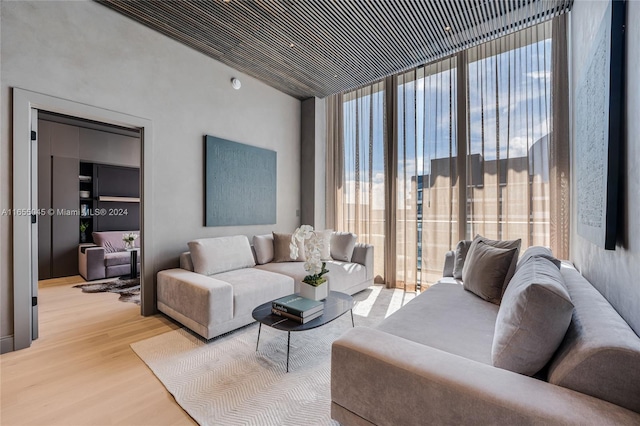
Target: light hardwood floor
(81, 371)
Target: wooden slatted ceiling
(311, 48)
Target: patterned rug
(225, 381)
(128, 289)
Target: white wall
(616, 274)
(84, 52)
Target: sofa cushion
(118, 258)
(112, 240)
(294, 270)
(325, 236)
(341, 275)
(449, 280)
(533, 318)
(600, 354)
(215, 255)
(461, 254)
(485, 270)
(342, 245)
(281, 250)
(253, 287)
(537, 251)
(263, 246)
(504, 244)
(448, 318)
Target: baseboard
(6, 344)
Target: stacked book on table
(297, 308)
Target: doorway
(26, 105)
(82, 163)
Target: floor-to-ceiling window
(360, 207)
(426, 214)
(509, 112)
(410, 162)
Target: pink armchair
(107, 257)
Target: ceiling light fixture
(447, 28)
(292, 45)
(235, 83)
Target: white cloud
(518, 146)
(540, 75)
(377, 192)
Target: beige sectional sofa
(432, 362)
(351, 275)
(219, 284)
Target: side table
(133, 262)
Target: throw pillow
(281, 250)
(462, 249)
(106, 241)
(485, 270)
(342, 245)
(533, 318)
(504, 244)
(325, 236)
(537, 251)
(215, 255)
(263, 246)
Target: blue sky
(518, 95)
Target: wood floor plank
(81, 371)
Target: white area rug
(226, 382)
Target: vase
(128, 245)
(83, 237)
(315, 293)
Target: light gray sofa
(344, 276)
(431, 363)
(107, 257)
(228, 285)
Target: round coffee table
(335, 305)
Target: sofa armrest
(387, 380)
(363, 254)
(449, 263)
(203, 299)
(91, 261)
(185, 261)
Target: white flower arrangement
(129, 238)
(313, 253)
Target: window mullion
(462, 136)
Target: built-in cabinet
(109, 198)
(85, 183)
(76, 185)
(58, 164)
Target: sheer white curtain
(360, 182)
(509, 105)
(474, 143)
(426, 213)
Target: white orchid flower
(313, 246)
(293, 249)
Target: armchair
(106, 258)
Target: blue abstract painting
(240, 184)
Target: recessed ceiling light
(335, 76)
(235, 83)
(291, 45)
(447, 28)
(226, 1)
